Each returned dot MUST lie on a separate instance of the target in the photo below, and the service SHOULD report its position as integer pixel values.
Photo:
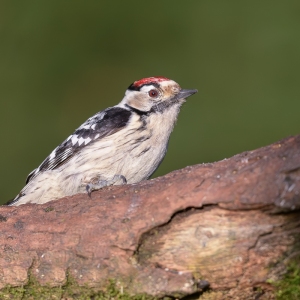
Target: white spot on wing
(80, 141)
(93, 126)
(87, 140)
(52, 155)
(74, 139)
(97, 135)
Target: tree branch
(230, 225)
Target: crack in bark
(187, 211)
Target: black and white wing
(100, 125)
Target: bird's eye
(153, 93)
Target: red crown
(149, 80)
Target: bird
(122, 144)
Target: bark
(229, 226)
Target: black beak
(183, 94)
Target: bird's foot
(103, 183)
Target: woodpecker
(121, 144)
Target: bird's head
(155, 94)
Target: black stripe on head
(134, 87)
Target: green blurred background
(62, 61)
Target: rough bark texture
(232, 225)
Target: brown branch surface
(233, 224)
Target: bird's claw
(103, 183)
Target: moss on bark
(70, 290)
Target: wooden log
(227, 227)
